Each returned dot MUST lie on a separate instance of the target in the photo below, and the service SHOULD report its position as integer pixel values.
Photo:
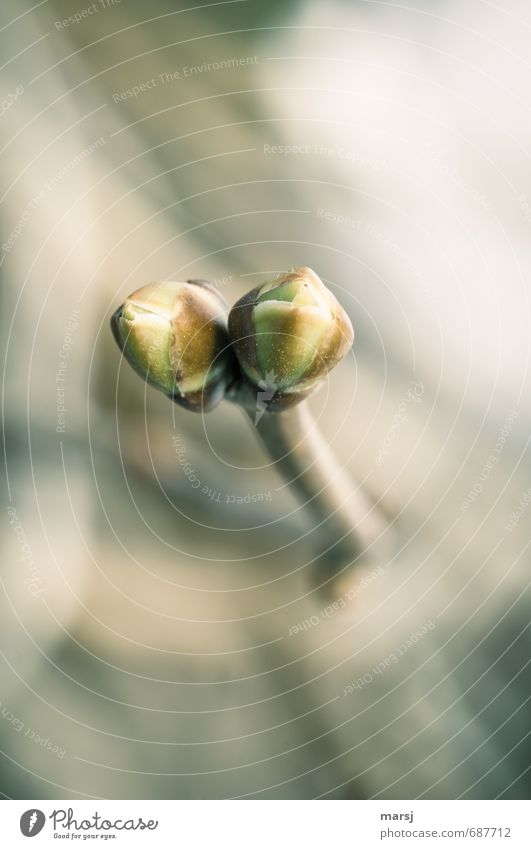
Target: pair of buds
(285, 336)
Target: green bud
(175, 336)
(288, 334)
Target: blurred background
(161, 635)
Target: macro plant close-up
(275, 347)
(265, 312)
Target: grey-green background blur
(146, 618)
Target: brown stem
(350, 526)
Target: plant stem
(348, 523)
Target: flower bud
(287, 335)
(175, 336)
